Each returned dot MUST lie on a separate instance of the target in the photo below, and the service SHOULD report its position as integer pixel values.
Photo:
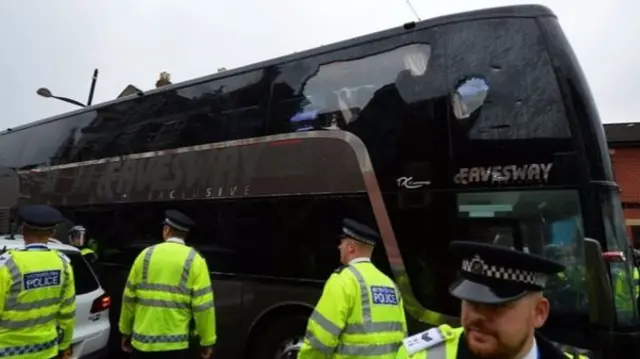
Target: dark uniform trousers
(177, 354)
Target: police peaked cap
(359, 232)
(178, 220)
(40, 216)
(495, 274)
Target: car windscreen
(85, 280)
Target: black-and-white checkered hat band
(176, 225)
(477, 266)
(358, 237)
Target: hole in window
(469, 96)
(337, 93)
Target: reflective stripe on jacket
(89, 254)
(359, 314)
(448, 348)
(37, 296)
(168, 285)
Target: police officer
(360, 311)
(37, 292)
(502, 305)
(168, 286)
(77, 238)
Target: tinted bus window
(390, 93)
(547, 222)
(51, 143)
(523, 100)
(292, 238)
(282, 238)
(213, 111)
(502, 107)
(506, 104)
(226, 109)
(12, 144)
(56, 142)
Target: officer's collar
(175, 240)
(533, 352)
(359, 259)
(36, 247)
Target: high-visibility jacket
(442, 343)
(359, 315)
(89, 254)
(168, 285)
(37, 297)
(636, 282)
(624, 300)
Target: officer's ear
(352, 245)
(541, 309)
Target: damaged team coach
(477, 125)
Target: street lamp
(46, 93)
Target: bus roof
(496, 12)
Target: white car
(92, 327)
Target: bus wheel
(281, 339)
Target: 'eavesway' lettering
(498, 174)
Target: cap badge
(476, 266)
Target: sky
(57, 44)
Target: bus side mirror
(598, 284)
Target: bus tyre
(280, 339)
